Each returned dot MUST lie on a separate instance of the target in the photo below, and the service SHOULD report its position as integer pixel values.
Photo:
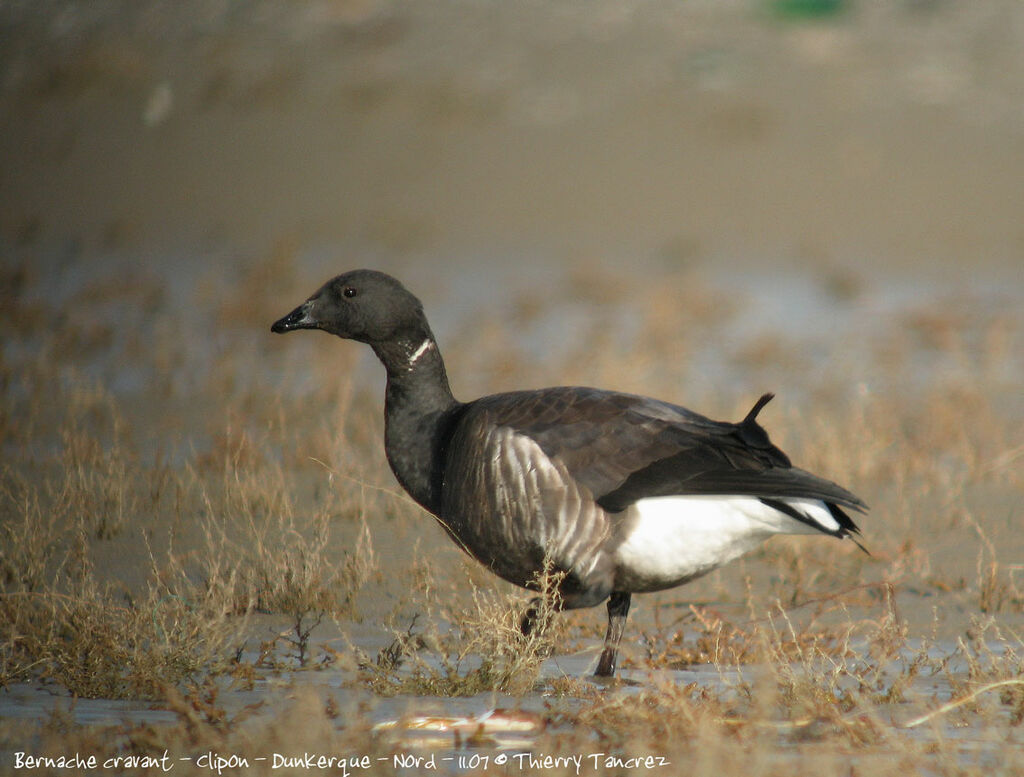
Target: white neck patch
(425, 346)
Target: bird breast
(516, 509)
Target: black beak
(297, 319)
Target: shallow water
(458, 735)
(780, 309)
(694, 201)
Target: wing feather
(623, 447)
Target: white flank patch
(816, 510)
(425, 346)
(676, 538)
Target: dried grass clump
(60, 622)
(120, 579)
(484, 648)
(262, 552)
(96, 647)
(810, 697)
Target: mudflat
(203, 555)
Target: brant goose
(621, 493)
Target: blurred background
(815, 167)
(834, 133)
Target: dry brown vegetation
(484, 650)
(232, 523)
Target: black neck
(418, 405)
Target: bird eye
(348, 291)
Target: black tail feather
(847, 528)
(846, 523)
(752, 415)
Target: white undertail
(673, 539)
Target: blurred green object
(807, 8)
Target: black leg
(618, 608)
(529, 621)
